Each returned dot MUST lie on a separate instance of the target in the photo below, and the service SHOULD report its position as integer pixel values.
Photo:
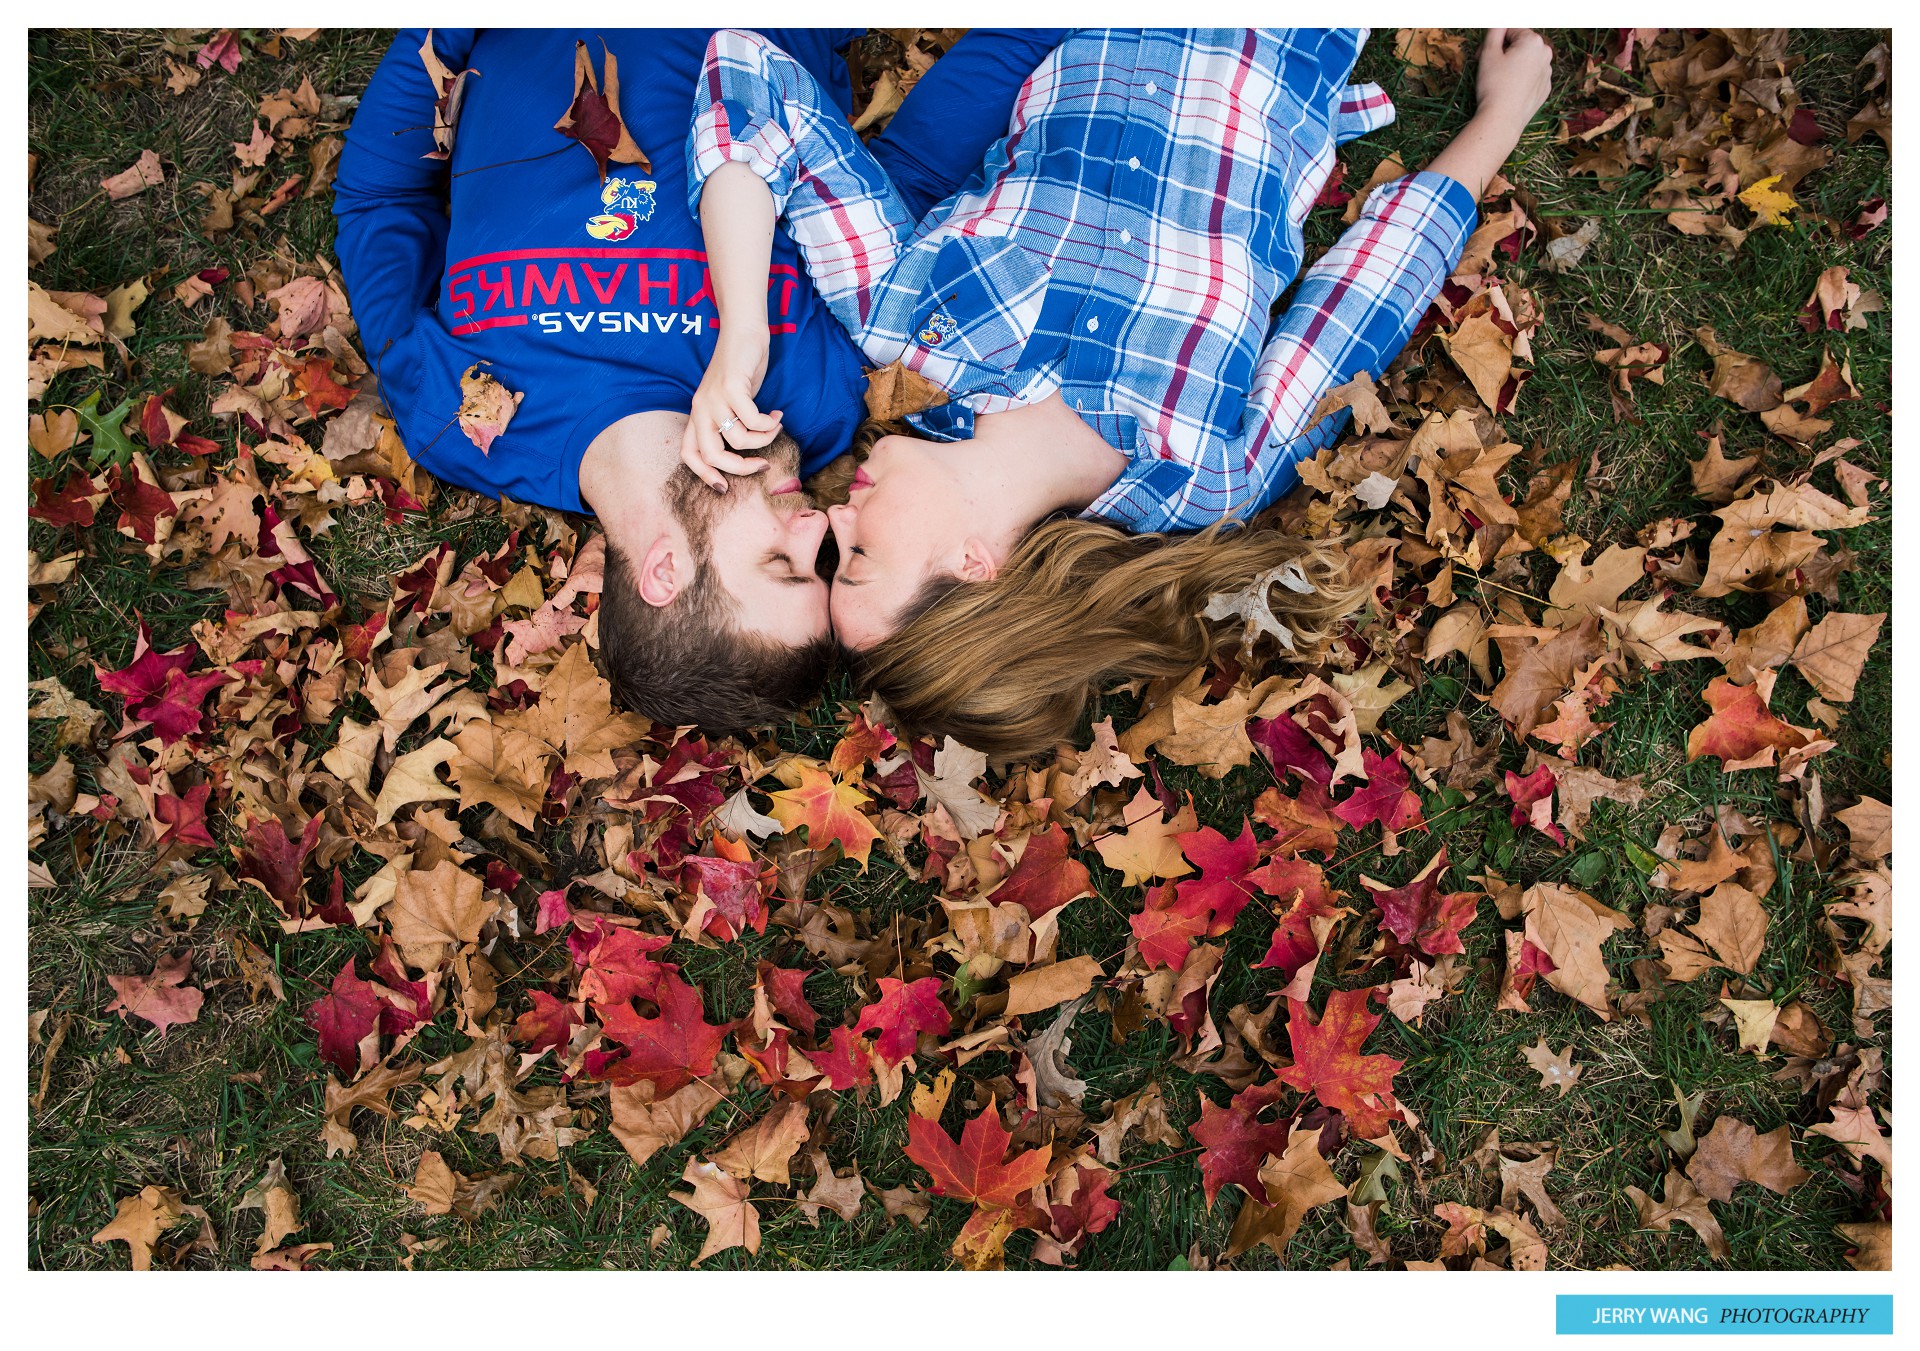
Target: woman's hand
(724, 416)
(1516, 74)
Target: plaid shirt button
(1133, 161)
(1093, 325)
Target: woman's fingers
(734, 463)
(693, 456)
(748, 418)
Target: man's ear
(977, 563)
(659, 573)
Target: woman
(1095, 304)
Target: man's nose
(805, 530)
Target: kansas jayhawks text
(588, 290)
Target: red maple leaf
(272, 862)
(1291, 750)
(1742, 732)
(1168, 924)
(1293, 944)
(160, 997)
(142, 679)
(784, 991)
(223, 47)
(1327, 1062)
(1089, 1210)
(902, 1013)
(619, 965)
(1305, 824)
(1223, 884)
(552, 911)
(673, 1049)
(1235, 1142)
(1533, 802)
(185, 818)
(357, 640)
(317, 388)
(593, 119)
(734, 883)
(846, 1062)
(177, 712)
(770, 1063)
(976, 1168)
(158, 423)
(406, 1003)
(344, 1017)
(1047, 875)
(1384, 797)
(141, 503)
(549, 1023)
(69, 504)
(689, 776)
(1533, 964)
(1420, 914)
(1333, 193)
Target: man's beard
(699, 508)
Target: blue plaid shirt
(1123, 247)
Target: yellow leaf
(1768, 202)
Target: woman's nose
(842, 518)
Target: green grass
(126, 1108)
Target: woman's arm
(1354, 310)
(767, 143)
(1516, 74)
(736, 221)
(957, 111)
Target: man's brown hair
(687, 662)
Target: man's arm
(957, 110)
(389, 199)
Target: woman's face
(899, 527)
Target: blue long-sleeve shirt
(590, 299)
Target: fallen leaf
(1555, 1071)
(721, 1201)
(160, 997)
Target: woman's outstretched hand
(724, 414)
(1516, 74)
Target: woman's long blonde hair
(1008, 666)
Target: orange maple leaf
(830, 810)
(1741, 731)
(976, 1168)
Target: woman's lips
(861, 478)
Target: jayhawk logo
(627, 203)
(938, 328)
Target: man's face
(763, 536)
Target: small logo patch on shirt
(938, 328)
(628, 202)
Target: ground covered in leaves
(1546, 924)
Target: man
(567, 267)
